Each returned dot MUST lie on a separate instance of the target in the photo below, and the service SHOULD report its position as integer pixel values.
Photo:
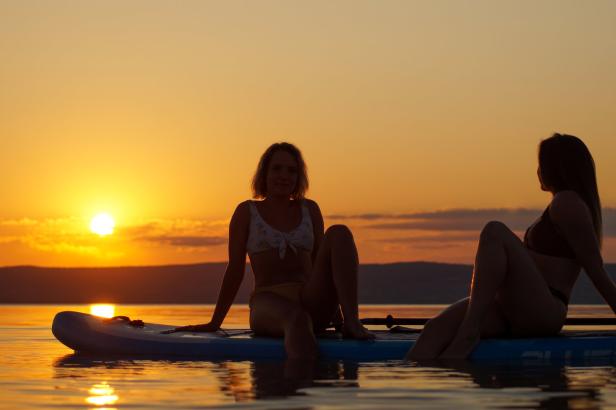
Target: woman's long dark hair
(565, 163)
(259, 180)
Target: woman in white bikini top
(302, 274)
(262, 237)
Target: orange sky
(158, 112)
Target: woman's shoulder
(242, 210)
(567, 204)
(244, 204)
(566, 198)
(311, 205)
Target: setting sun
(102, 224)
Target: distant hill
(397, 283)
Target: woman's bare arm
(238, 235)
(234, 274)
(318, 226)
(571, 215)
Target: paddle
(390, 321)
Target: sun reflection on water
(102, 394)
(102, 310)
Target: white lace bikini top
(262, 237)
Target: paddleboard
(86, 333)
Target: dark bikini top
(545, 238)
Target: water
(36, 371)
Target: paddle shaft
(390, 321)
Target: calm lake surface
(36, 371)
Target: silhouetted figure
(520, 288)
(302, 274)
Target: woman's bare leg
(273, 315)
(503, 264)
(438, 333)
(334, 281)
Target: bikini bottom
(289, 290)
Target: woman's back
(547, 241)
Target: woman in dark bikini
(302, 274)
(522, 288)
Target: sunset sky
(419, 121)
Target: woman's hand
(204, 328)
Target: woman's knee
(338, 232)
(431, 324)
(494, 230)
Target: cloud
(446, 238)
(365, 217)
(63, 247)
(71, 235)
(187, 241)
(182, 233)
(17, 222)
(460, 219)
(454, 227)
(199, 226)
(466, 220)
(57, 235)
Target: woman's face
(282, 174)
(544, 187)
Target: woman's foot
(463, 343)
(356, 330)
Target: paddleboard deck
(86, 333)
